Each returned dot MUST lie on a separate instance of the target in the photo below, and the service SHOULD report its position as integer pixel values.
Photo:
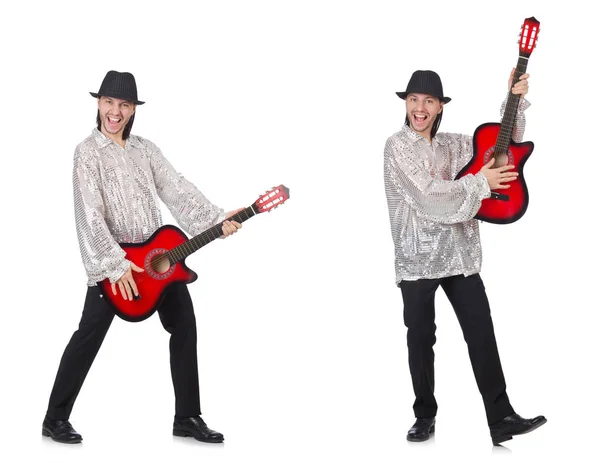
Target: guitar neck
(184, 250)
(510, 112)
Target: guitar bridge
(500, 196)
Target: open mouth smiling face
(422, 111)
(114, 114)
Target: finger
(505, 168)
(232, 227)
(122, 289)
(520, 88)
(490, 163)
(114, 288)
(136, 268)
(524, 76)
(134, 288)
(511, 77)
(128, 288)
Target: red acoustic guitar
(162, 256)
(493, 140)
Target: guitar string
(504, 137)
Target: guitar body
(162, 256)
(494, 210)
(152, 283)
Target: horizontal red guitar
(493, 140)
(162, 256)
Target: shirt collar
(102, 140)
(414, 137)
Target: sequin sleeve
(190, 208)
(102, 256)
(438, 200)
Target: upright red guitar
(493, 140)
(162, 256)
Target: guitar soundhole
(157, 264)
(502, 159)
(160, 264)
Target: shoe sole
(180, 433)
(47, 434)
(421, 439)
(504, 437)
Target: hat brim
(97, 95)
(443, 99)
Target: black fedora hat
(119, 85)
(427, 82)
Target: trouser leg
(419, 317)
(79, 354)
(177, 317)
(469, 300)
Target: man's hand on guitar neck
(521, 87)
(126, 283)
(229, 226)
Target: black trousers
(470, 303)
(176, 314)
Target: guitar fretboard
(183, 250)
(510, 112)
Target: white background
(302, 345)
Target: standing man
(437, 244)
(118, 179)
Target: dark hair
(434, 127)
(126, 130)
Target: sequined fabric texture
(116, 195)
(431, 215)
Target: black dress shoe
(421, 430)
(194, 426)
(60, 431)
(513, 425)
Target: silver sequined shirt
(116, 192)
(431, 215)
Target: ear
(441, 107)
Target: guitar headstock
(272, 199)
(529, 35)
